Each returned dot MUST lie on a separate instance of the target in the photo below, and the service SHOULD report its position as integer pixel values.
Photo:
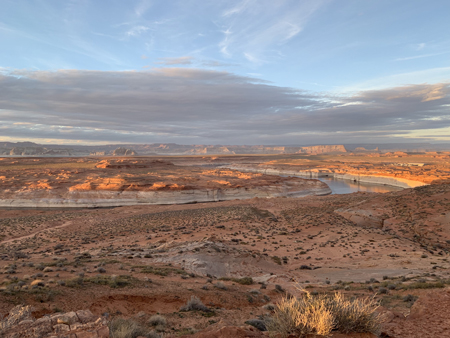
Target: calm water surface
(347, 187)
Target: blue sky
(275, 72)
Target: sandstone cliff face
(35, 151)
(132, 182)
(124, 152)
(398, 175)
(24, 151)
(89, 198)
(314, 150)
(32, 149)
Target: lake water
(347, 187)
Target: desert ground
(239, 256)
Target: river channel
(338, 186)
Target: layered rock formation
(33, 149)
(131, 182)
(124, 152)
(354, 177)
(323, 149)
(80, 324)
(26, 151)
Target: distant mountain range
(34, 149)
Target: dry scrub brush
(195, 304)
(128, 328)
(322, 314)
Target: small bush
(410, 298)
(126, 328)
(382, 290)
(195, 304)
(244, 280)
(269, 307)
(323, 313)
(279, 288)
(157, 320)
(276, 259)
(220, 286)
(301, 316)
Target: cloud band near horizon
(187, 105)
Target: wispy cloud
(253, 32)
(142, 7)
(420, 46)
(215, 63)
(225, 43)
(137, 30)
(253, 59)
(239, 8)
(420, 56)
(172, 61)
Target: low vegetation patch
(128, 328)
(322, 314)
(424, 285)
(160, 271)
(276, 259)
(111, 281)
(243, 280)
(195, 304)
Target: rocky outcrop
(124, 152)
(80, 324)
(364, 218)
(123, 181)
(102, 198)
(27, 151)
(210, 150)
(36, 151)
(315, 150)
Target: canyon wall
(103, 198)
(33, 149)
(315, 150)
(315, 173)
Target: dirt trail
(37, 232)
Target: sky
(273, 72)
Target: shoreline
(309, 174)
(105, 199)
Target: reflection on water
(347, 187)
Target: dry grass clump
(355, 315)
(322, 314)
(128, 328)
(157, 320)
(302, 316)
